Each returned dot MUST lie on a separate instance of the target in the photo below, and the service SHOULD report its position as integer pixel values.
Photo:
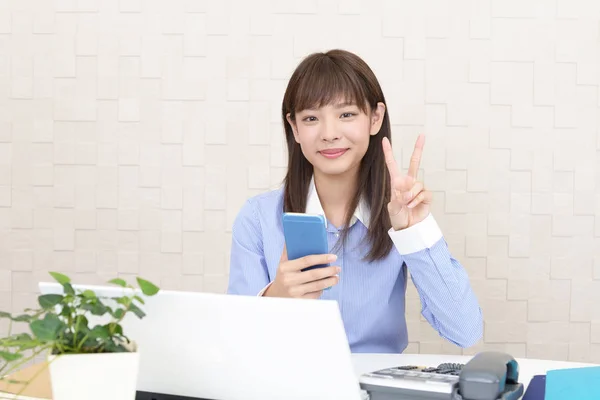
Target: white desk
(527, 367)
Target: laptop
(229, 347)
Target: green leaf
(115, 328)
(23, 337)
(67, 339)
(119, 282)
(66, 311)
(49, 300)
(28, 345)
(99, 309)
(137, 311)
(7, 341)
(60, 278)
(122, 300)
(48, 328)
(89, 294)
(5, 315)
(119, 312)
(90, 346)
(96, 308)
(148, 288)
(10, 356)
(81, 324)
(69, 289)
(111, 347)
(138, 298)
(100, 332)
(23, 318)
(22, 340)
(14, 341)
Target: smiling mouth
(333, 153)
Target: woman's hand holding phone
(291, 281)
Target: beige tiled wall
(132, 131)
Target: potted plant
(84, 361)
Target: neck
(335, 194)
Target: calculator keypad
(446, 373)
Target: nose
(329, 132)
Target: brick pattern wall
(132, 131)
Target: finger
(310, 261)
(317, 286)
(412, 192)
(415, 159)
(391, 164)
(403, 184)
(423, 197)
(302, 277)
(313, 295)
(390, 161)
(317, 274)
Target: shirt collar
(313, 206)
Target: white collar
(313, 206)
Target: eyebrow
(346, 104)
(336, 106)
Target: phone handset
(489, 375)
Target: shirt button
(337, 234)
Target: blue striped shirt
(371, 296)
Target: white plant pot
(94, 376)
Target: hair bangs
(326, 82)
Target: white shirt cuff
(418, 237)
(262, 292)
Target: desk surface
(370, 362)
(527, 367)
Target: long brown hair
(320, 79)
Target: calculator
(412, 382)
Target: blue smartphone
(305, 234)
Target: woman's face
(334, 138)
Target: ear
(377, 118)
(293, 125)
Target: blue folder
(536, 388)
(573, 383)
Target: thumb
(284, 256)
(394, 208)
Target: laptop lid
(217, 346)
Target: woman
(341, 165)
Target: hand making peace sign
(410, 201)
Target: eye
(309, 119)
(348, 115)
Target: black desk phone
(489, 375)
